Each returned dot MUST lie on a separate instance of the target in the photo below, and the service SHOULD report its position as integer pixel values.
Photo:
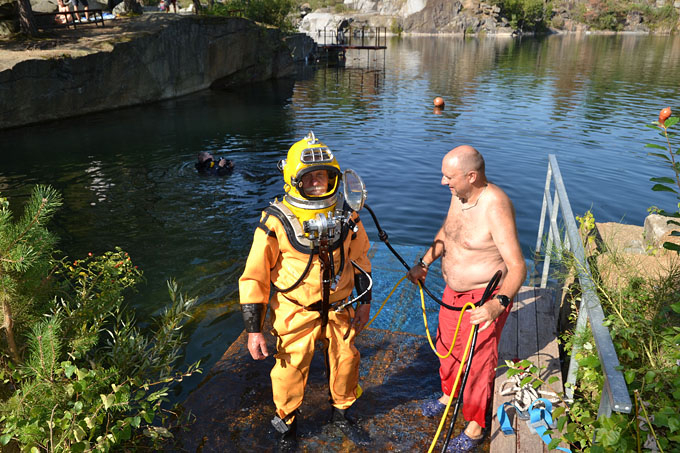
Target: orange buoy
(439, 102)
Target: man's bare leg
(473, 429)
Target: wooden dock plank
(530, 331)
(549, 353)
(507, 350)
(527, 348)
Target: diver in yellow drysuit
(311, 248)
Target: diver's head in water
(204, 157)
(207, 165)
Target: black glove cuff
(361, 282)
(252, 317)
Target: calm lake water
(128, 179)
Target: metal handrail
(352, 36)
(615, 394)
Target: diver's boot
(287, 435)
(350, 427)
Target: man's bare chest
(467, 232)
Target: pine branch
(43, 203)
(44, 348)
(26, 229)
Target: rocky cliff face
(163, 57)
(413, 16)
(446, 16)
(457, 16)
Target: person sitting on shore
(206, 165)
(64, 7)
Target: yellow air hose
(460, 368)
(427, 329)
(388, 298)
(422, 304)
(429, 338)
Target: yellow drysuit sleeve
(254, 284)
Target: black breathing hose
(382, 235)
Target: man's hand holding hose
(486, 314)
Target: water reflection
(128, 180)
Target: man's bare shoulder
(499, 200)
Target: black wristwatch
(503, 299)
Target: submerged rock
(233, 406)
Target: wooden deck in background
(530, 332)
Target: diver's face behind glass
(315, 183)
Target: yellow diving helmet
(306, 156)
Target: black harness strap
(263, 226)
(324, 258)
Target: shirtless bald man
(478, 238)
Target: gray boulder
(119, 9)
(44, 6)
(656, 228)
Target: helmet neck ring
(316, 204)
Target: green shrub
(669, 183)
(525, 15)
(666, 16)
(26, 248)
(396, 28)
(78, 373)
(605, 14)
(270, 12)
(318, 4)
(642, 315)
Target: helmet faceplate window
(333, 179)
(317, 155)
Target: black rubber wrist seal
(253, 317)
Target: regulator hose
(302, 277)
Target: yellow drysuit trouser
(296, 331)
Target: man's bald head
(466, 158)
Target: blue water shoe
(464, 443)
(433, 407)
